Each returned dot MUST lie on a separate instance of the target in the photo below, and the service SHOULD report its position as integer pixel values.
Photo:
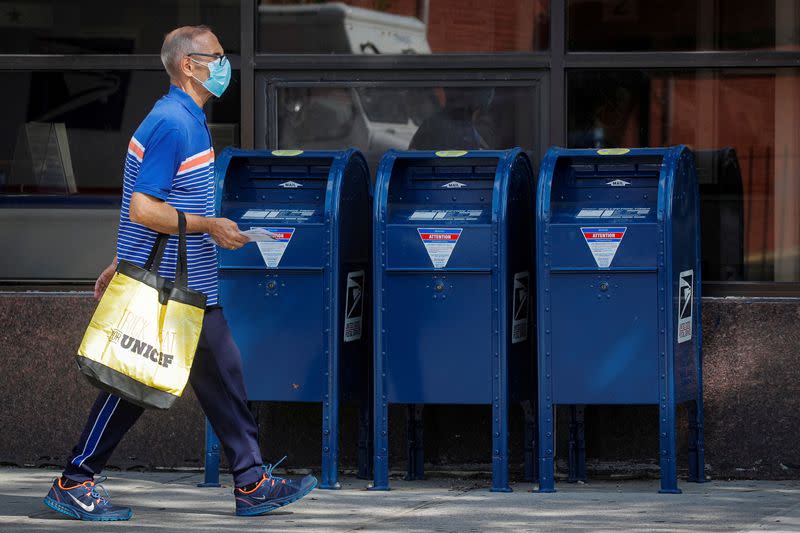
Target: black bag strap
(182, 267)
(157, 254)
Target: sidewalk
(171, 501)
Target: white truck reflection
(371, 118)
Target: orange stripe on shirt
(133, 147)
(196, 163)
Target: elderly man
(169, 166)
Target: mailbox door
(604, 337)
(276, 319)
(438, 337)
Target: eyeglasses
(222, 57)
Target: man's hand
(226, 233)
(104, 279)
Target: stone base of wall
(752, 399)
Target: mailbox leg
(669, 469)
(546, 445)
(330, 444)
(416, 445)
(364, 442)
(577, 444)
(696, 443)
(500, 443)
(530, 472)
(211, 470)
(380, 428)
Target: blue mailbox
(618, 301)
(297, 303)
(453, 252)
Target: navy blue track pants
(218, 383)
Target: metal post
(364, 441)
(248, 21)
(380, 409)
(577, 444)
(415, 443)
(530, 472)
(211, 470)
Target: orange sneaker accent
(88, 484)
(263, 479)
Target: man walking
(169, 166)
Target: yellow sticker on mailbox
(613, 151)
(451, 153)
(286, 153)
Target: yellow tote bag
(141, 341)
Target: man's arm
(161, 217)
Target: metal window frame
(551, 67)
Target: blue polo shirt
(171, 158)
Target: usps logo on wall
(685, 304)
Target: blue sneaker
(87, 501)
(271, 493)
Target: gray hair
(177, 44)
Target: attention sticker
(603, 243)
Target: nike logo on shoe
(87, 508)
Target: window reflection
(742, 125)
(61, 120)
(402, 26)
(375, 119)
(63, 140)
(642, 25)
(103, 27)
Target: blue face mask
(219, 75)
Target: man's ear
(186, 66)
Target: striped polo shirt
(171, 158)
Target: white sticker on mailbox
(519, 322)
(254, 213)
(590, 213)
(354, 306)
(685, 303)
(439, 243)
(272, 251)
(460, 214)
(603, 243)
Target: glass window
(641, 25)
(56, 124)
(742, 125)
(402, 26)
(63, 141)
(97, 27)
(377, 118)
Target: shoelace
(270, 467)
(99, 492)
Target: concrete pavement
(171, 501)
